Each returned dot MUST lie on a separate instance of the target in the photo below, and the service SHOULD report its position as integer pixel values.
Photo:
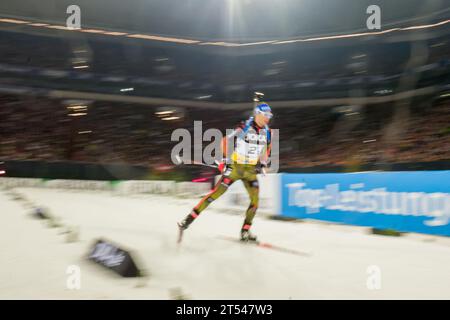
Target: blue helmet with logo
(264, 109)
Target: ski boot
(247, 236)
(183, 225)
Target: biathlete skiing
(246, 153)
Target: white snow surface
(34, 258)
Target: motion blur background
(112, 92)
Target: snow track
(35, 258)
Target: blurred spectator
(40, 129)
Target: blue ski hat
(264, 108)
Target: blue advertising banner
(416, 201)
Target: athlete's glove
(261, 168)
(223, 166)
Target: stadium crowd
(38, 128)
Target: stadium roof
(231, 20)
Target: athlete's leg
(252, 188)
(229, 176)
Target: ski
(180, 233)
(267, 246)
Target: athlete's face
(262, 120)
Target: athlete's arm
(265, 154)
(225, 140)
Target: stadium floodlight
(79, 114)
(204, 97)
(81, 67)
(77, 107)
(258, 96)
(160, 113)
